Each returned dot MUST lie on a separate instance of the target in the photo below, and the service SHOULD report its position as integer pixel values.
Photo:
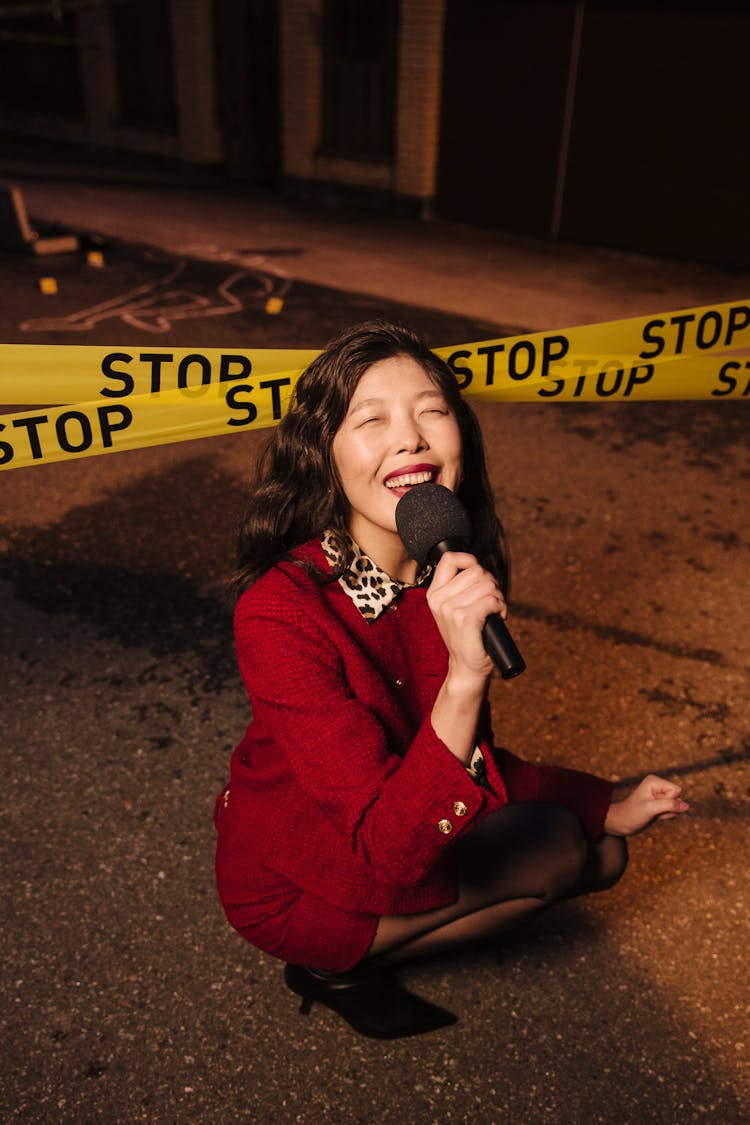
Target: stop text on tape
(142, 398)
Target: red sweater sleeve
(388, 803)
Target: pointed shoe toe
(372, 1002)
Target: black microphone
(432, 520)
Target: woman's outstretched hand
(654, 799)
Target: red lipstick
(421, 468)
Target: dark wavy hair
(297, 493)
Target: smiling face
(398, 431)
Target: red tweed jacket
(340, 783)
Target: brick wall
(420, 73)
(413, 173)
(197, 140)
(300, 86)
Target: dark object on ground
(370, 1000)
(16, 232)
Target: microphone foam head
(426, 515)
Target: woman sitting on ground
(370, 816)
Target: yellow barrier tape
(615, 380)
(45, 373)
(702, 331)
(150, 398)
(65, 433)
(89, 428)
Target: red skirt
(288, 922)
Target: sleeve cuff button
(460, 808)
(445, 827)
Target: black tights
(519, 860)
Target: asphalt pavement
(128, 997)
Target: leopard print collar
(369, 587)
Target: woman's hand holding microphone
(461, 597)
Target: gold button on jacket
(445, 827)
(460, 808)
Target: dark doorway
(246, 40)
(360, 62)
(504, 82)
(39, 64)
(658, 150)
(145, 70)
(618, 123)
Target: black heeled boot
(370, 1000)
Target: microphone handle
(496, 637)
(502, 648)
